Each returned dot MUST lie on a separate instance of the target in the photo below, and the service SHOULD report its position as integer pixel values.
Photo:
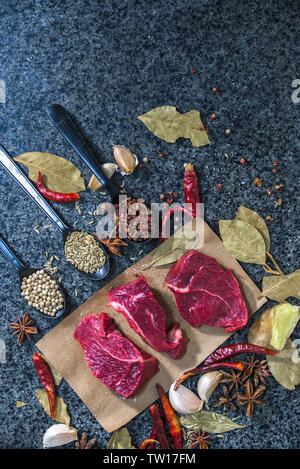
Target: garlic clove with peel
(58, 435)
(109, 169)
(126, 160)
(184, 401)
(207, 384)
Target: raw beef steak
(114, 360)
(145, 315)
(205, 293)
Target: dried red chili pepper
(159, 427)
(203, 369)
(191, 188)
(149, 444)
(232, 350)
(44, 372)
(55, 196)
(173, 420)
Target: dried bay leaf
(243, 241)
(285, 366)
(280, 287)
(20, 404)
(55, 373)
(62, 415)
(207, 421)
(120, 439)
(251, 217)
(59, 174)
(173, 248)
(167, 123)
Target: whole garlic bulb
(58, 435)
(183, 400)
(207, 384)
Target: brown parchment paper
(66, 354)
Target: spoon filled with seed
(82, 249)
(41, 291)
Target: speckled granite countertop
(108, 62)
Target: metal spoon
(25, 271)
(68, 128)
(11, 167)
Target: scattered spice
(145, 160)
(193, 70)
(198, 438)
(279, 187)
(215, 90)
(251, 397)
(226, 400)
(84, 443)
(278, 202)
(274, 170)
(113, 244)
(269, 219)
(219, 187)
(213, 116)
(42, 293)
(83, 251)
(243, 161)
(234, 379)
(270, 191)
(227, 131)
(55, 196)
(45, 374)
(23, 327)
(161, 155)
(142, 230)
(258, 182)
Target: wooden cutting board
(66, 354)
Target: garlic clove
(125, 159)
(207, 384)
(58, 435)
(184, 401)
(109, 169)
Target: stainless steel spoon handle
(5, 249)
(12, 168)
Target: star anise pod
(251, 364)
(226, 400)
(199, 438)
(23, 327)
(113, 244)
(84, 443)
(251, 397)
(261, 372)
(233, 378)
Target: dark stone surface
(108, 62)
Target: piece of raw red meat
(113, 358)
(205, 293)
(145, 315)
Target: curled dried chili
(232, 350)
(191, 188)
(44, 372)
(203, 369)
(55, 196)
(149, 444)
(173, 420)
(159, 427)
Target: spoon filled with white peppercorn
(38, 287)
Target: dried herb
(285, 366)
(226, 400)
(59, 174)
(199, 438)
(234, 379)
(207, 421)
(251, 217)
(83, 251)
(23, 327)
(167, 123)
(62, 415)
(84, 443)
(120, 439)
(173, 248)
(279, 288)
(243, 241)
(251, 397)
